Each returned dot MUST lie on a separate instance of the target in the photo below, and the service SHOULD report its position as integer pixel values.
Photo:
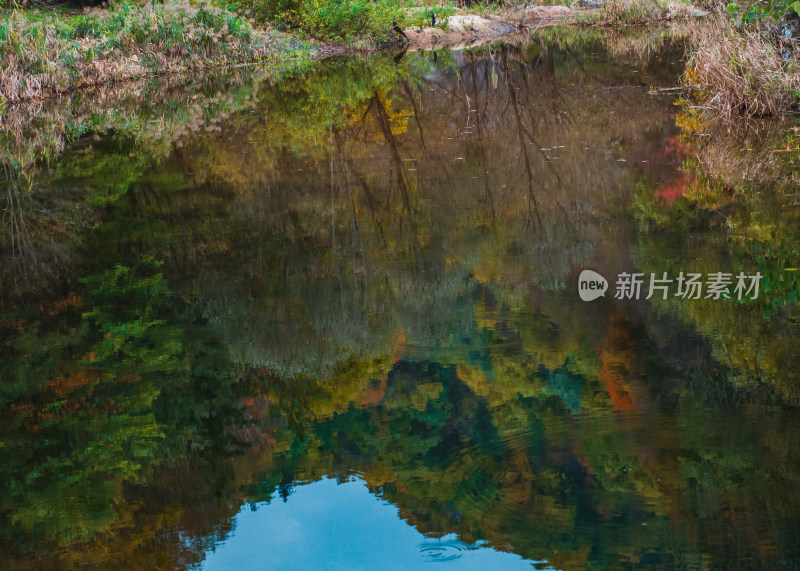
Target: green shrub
(335, 19)
(758, 11)
(330, 19)
(422, 18)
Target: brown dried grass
(636, 12)
(740, 71)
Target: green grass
(422, 16)
(329, 20)
(55, 51)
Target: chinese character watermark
(714, 285)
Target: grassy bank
(616, 13)
(743, 58)
(45, 51)
(748, 69)
(737, 63)
(56, 51)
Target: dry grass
(42, 54)
(740, 70)
(635, 12)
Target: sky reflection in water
(332, 525)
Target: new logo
(591, 285)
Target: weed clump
(740, 70)
(44, 52)
(637, 12)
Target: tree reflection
(365, 268)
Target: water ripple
(441, 551)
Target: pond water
(331, 319)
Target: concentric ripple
(441, 551)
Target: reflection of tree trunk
(521, 127)
(524, 153)
(523, 130)
(410, 95)
(362, 182)
(335, 253)
(382, 118)
(358, 247)
(480, 131)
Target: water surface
(331, 320)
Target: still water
(330, 319)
